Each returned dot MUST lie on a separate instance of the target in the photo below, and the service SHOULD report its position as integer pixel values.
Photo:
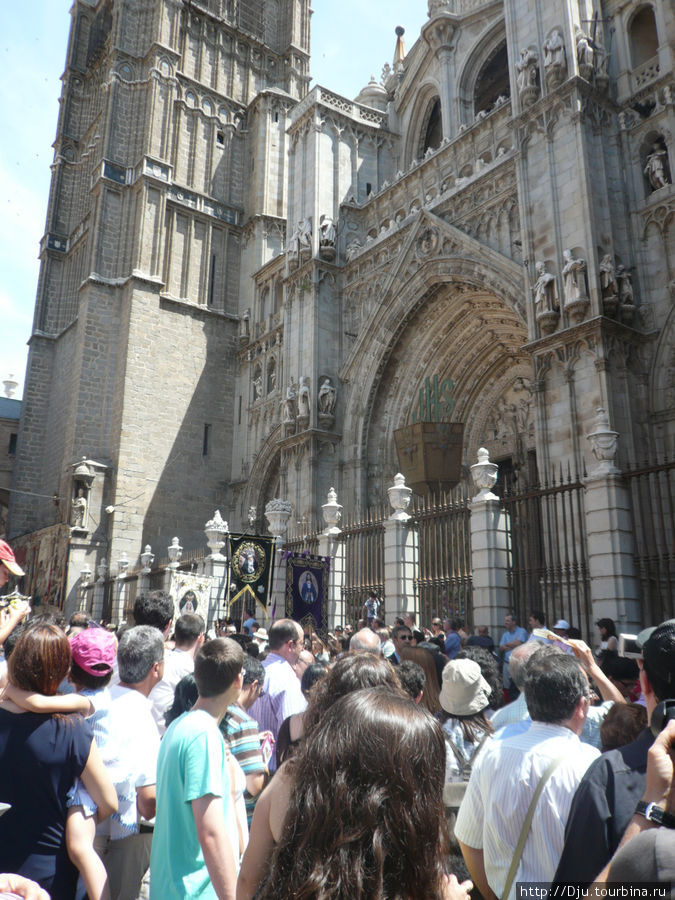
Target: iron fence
(363, 542)
(443, 584)
(546, 539)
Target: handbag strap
(527, 824)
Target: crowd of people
(370, 762)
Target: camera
(664, 713)
(628, 646)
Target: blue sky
(351, 41)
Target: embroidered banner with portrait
(307, 590)
(251, 564)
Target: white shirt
(177, 664)
(282, 698)
(130, 756)
(503, 781)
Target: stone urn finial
(400, 496)
(332, 512)
(175, 551)
(604, 443)
(147, 559)
(215, 531)
(277, 513)
(484, 474)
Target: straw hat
(464, 691)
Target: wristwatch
(655, 813)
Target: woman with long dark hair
(365, 817)
(430, 697)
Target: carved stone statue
(245, 326)
(327, 397)
(327, 238)
(528, 73)
(257, 385)
(78, 510)
(609, 288)
(585, 55)
(353, 249)
(555, 62)
(301, 239)
(656, 169)
(289, 405)
(304, 398)
(546, 303)
(626, 297)
(574, 286)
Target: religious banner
(306, 590)
(251, 564)
(191, 594)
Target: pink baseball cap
(94, 650)
(7, 557)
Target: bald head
(366, 641)
(518, 658)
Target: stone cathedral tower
(155, 211)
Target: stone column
(400, 554)
(489, 548)
(277, 513)
(330, 546)
(85, 578)
(99, 590)
(609, 533)
(117, 612)
(147, 559)
(216, 567)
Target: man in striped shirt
(281, 696)
(242, 736)
(507, 773)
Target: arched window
(263, 303)
(433, 128)
(492, 81)
(644, 39)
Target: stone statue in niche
(546, 305)
(289, 409)
(304, 400)
(257, 385)
(78, 510)
(585, 55)
(656, 169)
(528, 76)
(301, 239)
(555, 62)
(245, 327)
(574, 287)
(327, 238)
(626, 297)
(609, 288)
(327, 397)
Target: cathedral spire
(399, 51)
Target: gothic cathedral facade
(248, 286)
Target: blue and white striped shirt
(503, 781)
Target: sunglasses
(405, 637)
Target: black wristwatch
(655, 814)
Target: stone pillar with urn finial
(277, 513)
(400, 554)
(489, 548)
(216, 566)
(330, 546)
(609, 532)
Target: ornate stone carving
(574, 287)
(609, 288)
(301, 239)
(427, 242)
(657, 170)
(326, 402)
(528, 76)
(555, 60)
(277, 513)
(332, 513)
(626, 298)
(257, 383)
(327, 239)
(353, 249)
(604, 444)
(245, 327)
(78, 511)
(484, 474)
(289, 409)
(399, 497)
(214, 530)
(585, 58)
(304, 402)
(546, 304)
